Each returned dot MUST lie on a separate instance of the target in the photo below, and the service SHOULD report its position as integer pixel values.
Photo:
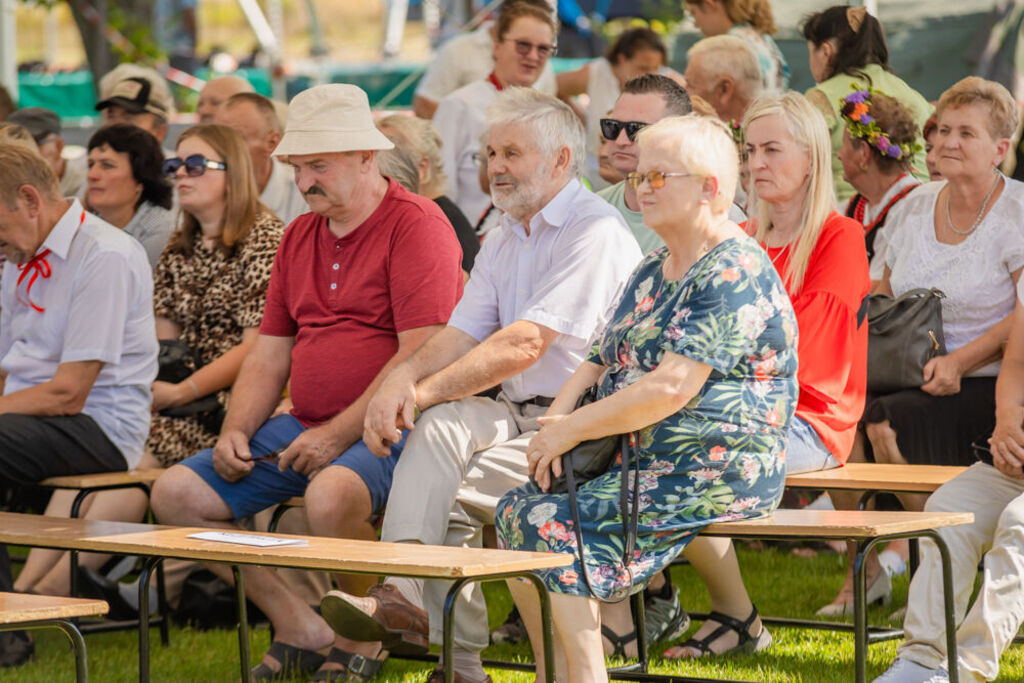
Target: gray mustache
(316, 189)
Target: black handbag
(176, 361)
(588, 459)
(903, 335)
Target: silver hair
(730, 56)
(552, 124)
(400, 164)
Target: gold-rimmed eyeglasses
(656, 179)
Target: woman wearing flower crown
(847, 48)
(963, 236)
(878, 143)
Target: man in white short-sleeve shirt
(463, 60)
(78, 342)
(542, 288)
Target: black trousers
(33, 448)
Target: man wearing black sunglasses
(644, 100)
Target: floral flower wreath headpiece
(855, 109)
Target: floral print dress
(722, 457)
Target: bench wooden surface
(81, 481)
(18, 608)
(846, 524)
(870, 476)
(331, 554)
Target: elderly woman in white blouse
(964, 236)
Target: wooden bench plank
(16, 608)
(845, 524)
(331, 554)
(81, 481)
(870, 476)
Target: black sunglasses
(610, 128)
(195, 165)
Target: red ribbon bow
(37, 266)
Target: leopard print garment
(212, 298)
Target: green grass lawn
(780, 583)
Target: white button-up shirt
(460, 119)
(566, 274)
(281, 195)
(97, 305)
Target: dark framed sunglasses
(656, 179)
(610, 128)
(195, 165)
(525, 47)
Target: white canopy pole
(8, 49)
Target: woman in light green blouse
(847, 52)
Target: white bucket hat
(330, 118)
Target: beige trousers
(458, 461)
(997, 534)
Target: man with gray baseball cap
(44, 125)
(357, 286)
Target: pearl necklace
(981, 211)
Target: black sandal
(747, 643)
(294, 661)
(353, 667)
(618, 642)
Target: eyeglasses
(656, 179)
(525, 47)
(195, 165)
(610, 129)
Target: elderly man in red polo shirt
(357, 286)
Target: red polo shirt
(345, 300)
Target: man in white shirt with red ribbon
(78, 343)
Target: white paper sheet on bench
(248, 539)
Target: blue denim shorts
(265, 485)
(805, 451)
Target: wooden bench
(877, 478)
(20, 611)
(87, 484)
(459, 565)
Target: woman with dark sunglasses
(125, 185)
(209, 289)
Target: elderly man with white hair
(541, 289)
(358, 284)
(724, 71)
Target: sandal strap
(357, 666)
(619, 642)
(725, 625)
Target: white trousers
(459, 460)
(997, 534)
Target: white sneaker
(906, 671)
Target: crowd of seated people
(301, 300)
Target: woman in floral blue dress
(700, 358)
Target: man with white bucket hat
(357, 286)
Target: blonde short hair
(1003, 118)
(22, 165)
(422, 140)
(15, 132)
(807, 126)
(703, 146)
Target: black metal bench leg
(161, 601)
(244, 655)
(948, 604)
(78, 645)
(860, 613)
(637, 605)
(144, 576)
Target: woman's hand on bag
(544, 453)
(1007, 442)
(169, 395)
(942, 376)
